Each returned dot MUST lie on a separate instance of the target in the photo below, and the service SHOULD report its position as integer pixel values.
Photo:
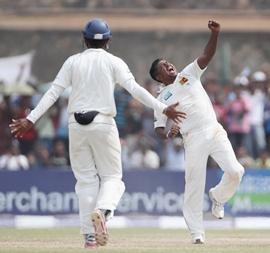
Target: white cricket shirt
(187, 89)
(93, 75)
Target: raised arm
(211, 46)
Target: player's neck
(169, 80)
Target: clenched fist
(214, 26)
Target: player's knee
(122, 187)
(113, 183)
(238, 172)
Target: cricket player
(202, 135)
(94, 144)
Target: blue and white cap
(97, 29)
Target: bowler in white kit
(202, 136)
(95, 150)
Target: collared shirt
(187, 89)
(92, 75)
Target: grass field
(134, 241)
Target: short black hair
(90, 43)
(153, 69)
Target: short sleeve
(63, 78)
(121, 71)
(193, 69)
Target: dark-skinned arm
(173, 132)
(211, 46)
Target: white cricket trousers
(213, 142)
(95, 155)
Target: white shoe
(198, 239)
(217, 207)
(99, 223)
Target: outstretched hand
(19, 127)
(214, 26)
(174, 114)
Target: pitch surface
(68, 240)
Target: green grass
(134, 241)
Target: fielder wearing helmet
(97, 34)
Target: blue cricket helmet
(97, 29)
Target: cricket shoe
(217, 207)
(90, 241)
(198, 239)
(99, 223)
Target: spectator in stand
(218, 97)
(134, 123)
(212, 87)
(122, 98)
(133, 117)
(13, 160)
(32, 159)
(62, 129)
(257, 97)
(5, 117)
(219, 105)
(175, 157)
(43, 156)
(267, 117)
(59, 154)
(45, 130)
(147, 115)
(237, 118)
(144, 157)
(263, 161)
(20, 110)
(244, 157)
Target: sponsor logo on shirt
(167, 95)
(183, 81)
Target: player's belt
(85, 118)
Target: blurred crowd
(154, 4)
(242, 106)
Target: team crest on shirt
(183, 81)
